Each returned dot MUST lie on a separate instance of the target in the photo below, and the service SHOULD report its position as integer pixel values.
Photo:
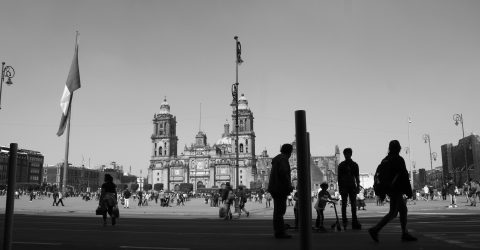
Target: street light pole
(409, 152)
(426, 137)
(459, 118)
(9, 72)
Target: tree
(158, 186)
(186, 187)
(135, 187)
(147, 187)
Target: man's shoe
(374, 234)
(283, 236)
(408, 237)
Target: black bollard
(12, 165)
(303, 185)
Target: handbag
(116, 212)
(100, 210)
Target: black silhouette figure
(399, 191)
(349, 184)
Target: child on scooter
(322, 198)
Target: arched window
(241, 148)
(155, 153)
(160, 151)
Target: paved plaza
(38, 225)
(196, 208)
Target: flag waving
(239, 51)
(72, 84)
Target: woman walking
(108, 199)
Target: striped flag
(72, 84)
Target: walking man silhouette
(398, 191)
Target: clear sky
(358, 68)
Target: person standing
(280, 186)
(349, 184)
(126, 195)
(451, 191)
(399, 187)
(268, 199)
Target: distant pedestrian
(55, 197)
(140, 198)
(349, 185)
(60, 199)
(399, 187)
(451, 191)
(126, 195)
(280, 186)
(268, 199)
(228, 197)
(295, 208)
(108, 199)
(242, 200)
(361, 199)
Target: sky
(359, 69)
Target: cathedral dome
(224, 141)
(165, 107)
(242, 102)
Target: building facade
(322, 169)
(462, 158)
(29, 167)
(202, 164)
(79, 179)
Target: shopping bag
(100, 210)
(222, 212)
(116, 212)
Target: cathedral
(202, 164)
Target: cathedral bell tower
(246, 134)
(164, 137)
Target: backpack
(382, 181)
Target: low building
(79, 179)
(29, 167)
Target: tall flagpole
(67, 143)
(237, 61)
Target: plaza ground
(38, 225)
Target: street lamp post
(426, 137)
(459, 118)
(409, 152)
(9, 72)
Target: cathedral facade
(202, 164)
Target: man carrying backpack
(394, 174)
(349, 184)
